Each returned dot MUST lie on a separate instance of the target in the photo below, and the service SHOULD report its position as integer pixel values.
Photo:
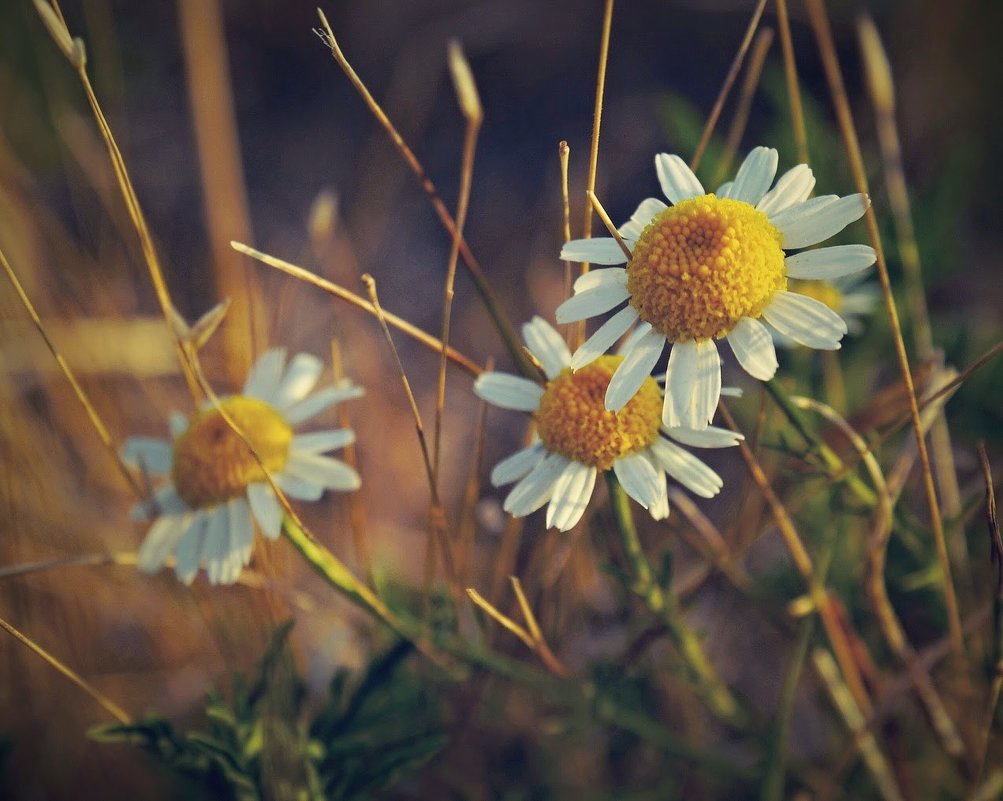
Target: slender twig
(350, 297)
(563, 154)
(791, 74)
(609, 224)
(729, 81)
(505, 328)
(830, 62)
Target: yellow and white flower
(577, 436)
(203, 516)
(708, 267)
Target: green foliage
(366, 735)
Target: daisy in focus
(204, 515)
(577, 436)
(708, 267)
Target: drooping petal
(636, 366)
(659, 509)
(547, 346)
(604, 337)
(301, 377)
(755, 175)
(599, 250)
(188, 554)
(241, 536)
(591, 302)
(753, 347)
(322, 441)
(263, 381)
(570, 496)
(302, 489)
(793, 187)
(216, 546)
(692, 384)
(628, 343)
(514, 467)
(325, 471)
(165, 501)
(320, 401)
(177, 424)
(677, 179)
(153, 455)
(266, 508)
(508, 391)
(710, 437)
(161, 540)
(687, 469)
(805, 320)
(594, 279)
(646, 212)
(822, 221)
(535, 489)
(639, 478)
(825, 264)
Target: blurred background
(311, 178)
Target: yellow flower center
(822, 291)
(702, 265)
(212, 464)
(573, 420)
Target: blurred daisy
(709, 267)
(203, 516)
(577, 437)
(852, 297)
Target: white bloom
(709, 267)
(203, 516)
(577, 437)
(852, 297)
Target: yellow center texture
(212, 464)
(703, 264)
(573, 420)
(821, 291)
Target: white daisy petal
(514, 467)
(216, 547)
(177, 424)
(646, 212)
(755, 175)
(659, 508)
(724, 190)
(322, 441)
(571, 494)
(591, 302)
(166, 501)
(600, 250)
(593, 279)
(547, 346)
(692, 384)
(266, 508)
(320, 401)
(633, 338)
(301, 377)
(188, 554)
(161, 540)
(710, 437)
(828, 263)
(638, 478)
(325, 471)
(731, 392)
(153, 455)
(794, 215)
(753, 347)
(677, 179)
(535, 489)
(805, 320)
(241, 537)
(636, 366)
(263, 382)
(794, 186)
(821, 222)
(508, 391)
(604, 337)
(687, 469)
(302, 489)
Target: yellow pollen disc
(822, 291)
(573, 420)
(212, 464)
(702, 265)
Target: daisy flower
(708, 267)
(203, 516)
(852, 297)
(577, 437)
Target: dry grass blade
(791, 75)
(609, 224)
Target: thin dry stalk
(340, 292)
(470, 104)
(830, 61)
(105, 702)
(563, 155)
(791, 75)
(609, 224)
(729, 81)
(737, 129)
(504, 326)
(92, 414)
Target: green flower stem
(702, 674)
(830, 460)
